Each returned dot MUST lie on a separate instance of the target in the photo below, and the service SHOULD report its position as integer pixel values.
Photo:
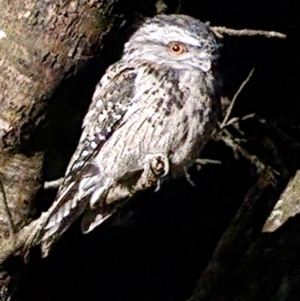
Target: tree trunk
(46, 49)
(52, 54)
(251, 262)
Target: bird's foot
(156, 167)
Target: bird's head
(175, 41)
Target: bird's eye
(176, 48)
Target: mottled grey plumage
(152, 111)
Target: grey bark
(256, 256)
(42, 43)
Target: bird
(150, 116)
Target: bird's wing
(110, 102)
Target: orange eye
(176, 48)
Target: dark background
(160, 243)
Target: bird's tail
(58, 218)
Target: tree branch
(220, 30)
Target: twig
(227, 138)
(279, 131)
(220, 30)
(224, 122)
(199, 162)
(188, 177)
(207, 161)
(53, 184)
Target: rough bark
(43, 44)
(52, 54)
(250, 264)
